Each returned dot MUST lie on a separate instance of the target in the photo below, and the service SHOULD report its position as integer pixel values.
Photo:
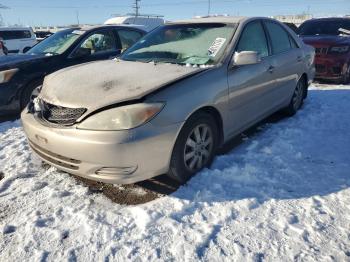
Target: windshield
(324, 27)
(57, 43)
(195, 44)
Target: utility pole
(136, 7)
(209, 7)
(77, 14)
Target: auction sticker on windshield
(216, 46)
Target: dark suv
(331, 39)
(21, 74)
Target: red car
(331, 39)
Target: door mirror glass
(246, 58)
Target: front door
(250, 85)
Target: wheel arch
(29, 84)
(217, 117)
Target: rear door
(287, 62)
(249, 85)
(26, 39)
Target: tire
(346, 78)
(297, 99)
(198, 139)
(27, 93)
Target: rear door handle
(300, 59)
(271, 69)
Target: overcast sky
(63, 12)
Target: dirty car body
(120, 121)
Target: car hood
(326, 40)
(98, 84)
(10, 61)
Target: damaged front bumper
(118, 157)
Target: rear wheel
(297, 99)
(195, 147)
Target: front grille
(320, 68)
(336, 70)
(321, 50)
(61, 115)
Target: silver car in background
(170, 101)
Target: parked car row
(165, 105)
(20, 74)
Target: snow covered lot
(282, 195)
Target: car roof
(14, 28)
(89, 28)
(212, 19)
(329, 19)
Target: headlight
(122, 118)
(6, 75)
(340, 49)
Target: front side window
(99, 42)
(279, 37)
(128, 38)
(57, 43)
(196, 44)
(253, 39)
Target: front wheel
(27, 93)
(195, 147)
(297, 98)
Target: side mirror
(82, 52)
(246, 58)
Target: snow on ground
(282, 195)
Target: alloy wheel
(298, 96)
(198, 147)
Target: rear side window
(16, 34)
(253, 39)
(128, 38)
(279, 38)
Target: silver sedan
(170, 101)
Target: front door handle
(300, 59)
(271, 69)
